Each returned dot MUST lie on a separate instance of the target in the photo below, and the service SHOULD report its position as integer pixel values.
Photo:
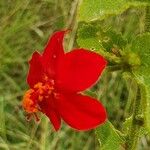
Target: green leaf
(91, 36)
(109, 138)
(145, 98)
(88, 37)
(141, 47)
(127, 125)
(147, 114)
(99, 9)
(147, 1)
(113, 40)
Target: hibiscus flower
(56, 80)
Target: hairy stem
(44, 133)
(73, 23)
(147, 19)
(133, 135)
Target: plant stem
(73, 23)
(133, 135)
(115, 68)
(44, 132)
(131, 88)
(147, 19)
(2, 118)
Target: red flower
(56, 80)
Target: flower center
(40, 92)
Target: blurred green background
(25, 26)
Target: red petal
(79, 70)
(53, 51)
(36, 70)
(81, 112)
(54, 118)
(51, 113)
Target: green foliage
(91, 10)
(109, 138)
(141, 46)
(113, 40)
(111, 28)
(98, 9)
(93, 37)
(145, 98)
(88, 37)
(147, 110)
(105, 26)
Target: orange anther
(40, 91)
(40, 98)
(38, 85)
(35, 95)
(45, 78)
(28, 104)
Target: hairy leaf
(109, 138)
(92, 36)
(99, 9)
(141, 47)
(88, 37)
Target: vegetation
(118, 30)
